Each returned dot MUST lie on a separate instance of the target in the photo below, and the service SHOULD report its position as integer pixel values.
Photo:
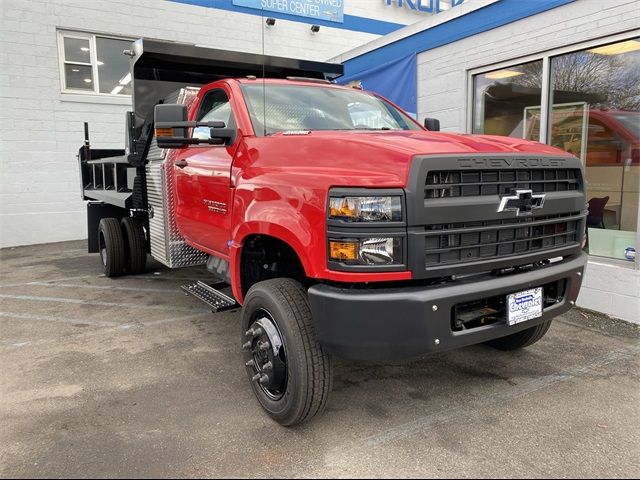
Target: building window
(504, 99)
(94, 64)
(593, 112)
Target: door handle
(181, 163)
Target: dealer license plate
(524, 306)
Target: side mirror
(171, 128)
(432, 124)
(169, 120)
(220, 135)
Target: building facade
(61, 64)
(562, 72)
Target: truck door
(203, 180)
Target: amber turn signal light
(343, 250)
(164, 132)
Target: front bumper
(397, 323)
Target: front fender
(299, 224)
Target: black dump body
(157, 69)
(114, 180)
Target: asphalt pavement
(131, 378)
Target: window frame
(93, 57)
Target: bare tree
(612, 80)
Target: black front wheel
(290, 373)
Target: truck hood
(431, 143)
(380, 158)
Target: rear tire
(279, 310)
(111, 246)
(135, 245)
(521, 339)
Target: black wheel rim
(266, 355)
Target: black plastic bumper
(397, 323)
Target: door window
(215, 108)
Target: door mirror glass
(432, 124)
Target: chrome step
(217, 300)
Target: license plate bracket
(524, 306)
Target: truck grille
(444, 184)
(486, 240)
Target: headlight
(366, 209)
(367, 251)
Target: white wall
(611, 288)
(442, 72)
(41, 129)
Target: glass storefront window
(503, 99)
(595, 114)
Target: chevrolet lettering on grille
(523, 202)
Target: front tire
(521, 339)
(290, 373)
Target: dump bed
(157, 70)
(116, 180)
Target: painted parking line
(64, 279)
(51, 318)
(120, 329)
(138, 306)
(108, 287)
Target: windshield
(296, 107)
(631, 122)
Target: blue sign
(427, 6)
(329, 10)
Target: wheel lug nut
(253, 332)
(264, 379)
(267, 366)
(246, 346)
(256, 377)
(264, 346)
(250, 363)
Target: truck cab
(346, 229)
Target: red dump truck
(343, 227)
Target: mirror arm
(190, 124)
(195, 141)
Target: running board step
(217, 300)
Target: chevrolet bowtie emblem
(523, 202)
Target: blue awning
(395, 80)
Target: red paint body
(278, 185)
